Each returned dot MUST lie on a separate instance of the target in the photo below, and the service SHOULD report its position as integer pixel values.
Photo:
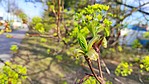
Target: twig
(85, 78)
(99, 79)
(30, 80)
(99, 66)
(140, 79)
(108, 71)
(97, 49)
(111, 75)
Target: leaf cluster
(14, 48)
(38, 25)
(146, 35)
(123, 69)
(136, 44)
(9, 76)
(145, 63)
(93, 20)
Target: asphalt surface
(5, 43)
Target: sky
(136, 17)
(36, 9)
(30, 8)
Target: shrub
(14, 48)
(145, 63)
(136, 44)
(12, 73)
(146, 35)
(123, 69)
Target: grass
(55, 67)
(58, 66)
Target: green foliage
(146, 35)
(59, 57)
(39, 27)
(12, 74)
(145, 63)
(65, 82)
(48, 26)
(92, 41)
(9, 36)
(48, 51)
(22, 16)
(136, 44)
(91, 80)
(120, 49)
(82, 41)
(112, 50)
(109, 82)
(92, 54)
(88, 24)
(14, 48)
(123, 69)
(37, 24)
(36, 20)
(104, 42)
(72, 3)
(27, 34)
(1, 32)
(43, 40)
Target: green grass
(59, 66)
(46, 68)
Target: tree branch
(99, 79)
(129, 6)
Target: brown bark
(98, 78)
(58, 20)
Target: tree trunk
(93, 2)
(58, 20)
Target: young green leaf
(77, 52)
(100, 28)
(92, 54)
(104, 42)
(82, 41)
(92, 41)
(14, 48)
(92, 29)
(107, 31)
(99, 17)
(88, 17)
(48, 51)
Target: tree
(89, 18)
(9, 5)
(54, 7)
(59, 9)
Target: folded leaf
(92, 29)
(92, 54)
(78, 52)
(107, 31)
(104, 42)
(92, 41)
(82, 41)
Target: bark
(58, 20)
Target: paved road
(5, 43)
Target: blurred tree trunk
(58, 20)
(63, 18)
(93, 2)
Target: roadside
(5, 43)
